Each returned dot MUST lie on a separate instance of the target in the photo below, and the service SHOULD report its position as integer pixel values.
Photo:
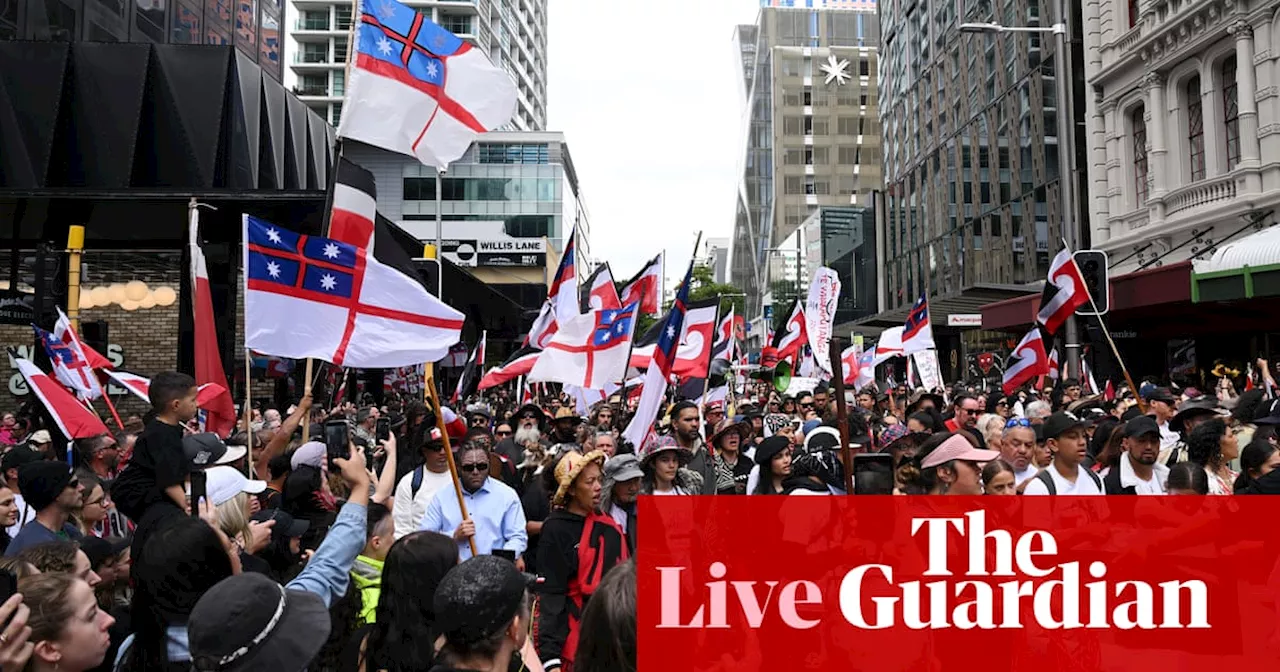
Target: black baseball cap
(1060, 423)
(1161, 394)
(17, 457)
(249, 622)
(1141, 426)
(287, 526)
(205, 450)
(479, 598)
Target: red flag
(73, 419)
(1110, 393)
(599, 292)
(1064, 292)
(221, 410)
(1027, 361)
(141, 387)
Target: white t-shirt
(1084, 484)
(672, 491)
(1020, 476)
(1155, 486)
(409, 508)
(1168, 437)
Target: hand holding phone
(198, 480)
(337, 441)
(384, 429)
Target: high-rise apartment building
(812, 131)
(512, 32)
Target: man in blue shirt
(52, 489)
(495, 518)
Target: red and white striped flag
(221, 410)
(74, 420)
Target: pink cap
(957, 448)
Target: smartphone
(505, 554)
(337, 442)
(384, 429)
(873, 474)
(197, 491)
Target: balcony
(312, 24)
(1201, 193)
(311, 90)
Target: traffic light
(429, 272)
(1093, 268)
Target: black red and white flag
(1064, 292)
(793, 335)
(470, 379)
(726, 340)
(1027, 361)
(645, 287)
(518, 364)
(693, 354)
(599, 293)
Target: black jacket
(1111, 483)
(562, 557)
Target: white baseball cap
(223, 483)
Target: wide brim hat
(1191, 409)
(535, 409)
(566, 413)
(296, 630)
(568, 468)
(726, 427)
(660, 443)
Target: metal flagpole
(439, 236)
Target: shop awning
(1244, 269)
(1140, 289)
(966, 302)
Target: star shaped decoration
(331, 250)
(386, 9)
(273, 269)
(328, 282)
(274, 236)
(433, 69)
(671, 332)
(836, 70)
(384, 46)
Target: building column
(1246, 93)
(1101, 228)
(1268, 95)
(1115, 181)
(1157, 155)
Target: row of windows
(513, 153)
(480, 189)
(516, 226)
(1194, 130)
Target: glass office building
(971, 148)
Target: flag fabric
(69, 366)
(354, 209)
(1027, 361)
(543, 329)
(563, 294)
(856, 365)
(820, 317)
(645, 287)
(418, 89)
(655, 377)
(693, 354)
(65, 332)
(140, 386)
(1055, 366)
(470, 377)
(726, 340)
(307, 296)
(790, 339)
(889, 345)
(74, 420)
(518, 364)
(917, 333)
(220, 411)
(599, 292)
(589, 350)
(1064, 292)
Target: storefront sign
(474, 252)
(17, 308)
(964, 320)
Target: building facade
(812, 130)
(512, 32)
(251, 27)
(509, 205)
(1183, 128)
(715, 253)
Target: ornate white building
(1183, 126)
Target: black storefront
(118, 137)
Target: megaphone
(779, 372)
(782, 376)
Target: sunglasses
(528, 416)
(1017, 422)
(502, 433)
(469, 468)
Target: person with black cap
(1163, 405)
(1139, 472)
(1064, 436)
(482, 612)
(773, 460)
(284, 551)
(51, 488)
(249, 622)
(529, 423)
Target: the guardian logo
(1053, 595)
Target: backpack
(1046, 478)
(416, 483)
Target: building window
(507, 153)
(186, 24)
(312, 85)
(793, 185)
(1231, 111)
(456, 23)
(149, 19)
(340, 50)
(315, 52)
(1195, 128)
(339, 83)
(317, 19)
(1140, 155)
(337, 114)
(342, 18)
(1133, 13)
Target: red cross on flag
(589, 350)
(74, 420)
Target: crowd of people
(166, 548)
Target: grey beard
(526, 434)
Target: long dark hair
(1252, 458)
(403, 635)
(177, 565)
(607, 633)
(1204, 444)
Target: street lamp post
(1066, 147)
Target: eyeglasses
(806, 405)
(481, 466)
(1017, 422)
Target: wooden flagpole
(306, 390)
(111, 407)
(842, 414)
(248, 412)
(448, 450)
